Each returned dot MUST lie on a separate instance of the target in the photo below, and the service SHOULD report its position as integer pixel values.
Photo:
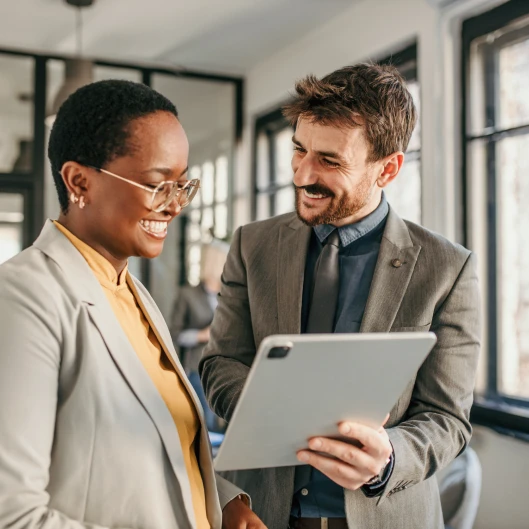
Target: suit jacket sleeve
(228, 491)
(436, 427)
(230, 352)
(29, 372)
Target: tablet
(301, 386)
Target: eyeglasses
(165, 192)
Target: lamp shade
(78, 73)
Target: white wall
(372, 29)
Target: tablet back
(301, 386)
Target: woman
(98, 426)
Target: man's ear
(391, 166)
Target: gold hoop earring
(81, 203)
(73, 199)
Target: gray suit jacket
(434, 289)
(86, 440)
(191, 310)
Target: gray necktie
(325, 289)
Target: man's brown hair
(375, 93)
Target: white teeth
(153, 226)
(311, 195)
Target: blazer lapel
(294, 241)
(86, 287)
(396, 262)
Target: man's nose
(304, 173)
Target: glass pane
(263, 206)
(206, 110)
(207, 221)
(404, 193)
(207, 183)
(196, 172)
(11, 222)
(193, 265)
(263, 165)
(283, 161)
(513, 65)
(221, 221)
(513, 264)
(16, 114)
(415, 140)
(221, 179)
(285, 200)
(193, 231)
(241, 212)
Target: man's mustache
(316, 189)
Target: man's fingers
(341, 473)
(373, 442)
(346, 452)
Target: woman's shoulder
(33, 278)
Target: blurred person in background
(99, 427)
(192, 315)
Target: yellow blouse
(126, 304)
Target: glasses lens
(166, 193)
(188, 193)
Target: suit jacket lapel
(294, 240)
(393, 271)
(86, 287)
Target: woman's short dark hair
(92, 125)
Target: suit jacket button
(397, 263)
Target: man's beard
(339, 207)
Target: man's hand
(237, 515)
(346, 464)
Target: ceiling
(227, 36)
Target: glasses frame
(195, 182)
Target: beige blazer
(421, 282)
(86, 440)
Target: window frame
(507, 414)
(270, 124)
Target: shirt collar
(353, 232)
(101, 267)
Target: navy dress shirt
(359, 248)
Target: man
(282, 276)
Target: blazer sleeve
(231, 349)
(436, 427)
(30, 357)
(228, 491)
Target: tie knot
(333, 238)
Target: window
(496, 138)
(208, 214)
(404, 193)
(273, 189)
